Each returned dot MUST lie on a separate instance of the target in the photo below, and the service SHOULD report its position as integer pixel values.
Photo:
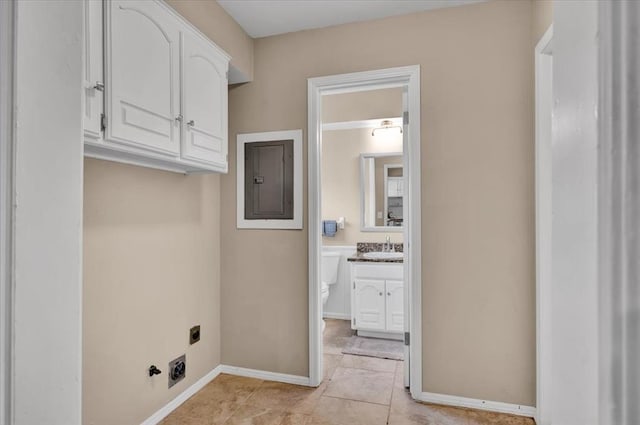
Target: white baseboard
(268, 376)
(472, 403)
(182, 397)
(341, 316)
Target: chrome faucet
(388, 246)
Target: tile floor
(356, 391)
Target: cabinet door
(93, 74)
(204, 91)
(395, 306)
(369, 304)
(143, 75)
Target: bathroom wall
(477, 196)
(151, 271)
(341, 151)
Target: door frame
(543, 194)
(408, 77)
(7, 89)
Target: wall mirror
(381, 192)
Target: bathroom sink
(383, 255)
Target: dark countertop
(359, 257)
(363, 247)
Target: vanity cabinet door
(395, 306)
(143, 76)
(204, 91)
(370, 304)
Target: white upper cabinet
(204, 101)
(165, 88)
(93, 70)
(143, 76)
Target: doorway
(407, 80)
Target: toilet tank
(329, 270)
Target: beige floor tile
(286, 397)
(330, 363)
(369, 363)
(296, 419)
(336, 411)
(361, 385)
(406, 410)
(229, 387)
(252, 415)
(479, 417)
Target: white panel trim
(350, 125)
(409, 77)
(184, 396)
(543, 193)
(473, 403)
(296, 222)
(7, 88)
(266, 375)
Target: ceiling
(262, 18)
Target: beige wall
(151, 271)
(210, 18)
(542, 18)
(341, 151)
(477, 196)
(477, 203)
(362, 105)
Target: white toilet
(329, 275)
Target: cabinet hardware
(103, 122)
(380, 293)
(191, 123)
(99, 86)
(389, 293)
(179, 118)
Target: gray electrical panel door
(268, 180)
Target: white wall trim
(7, 88)
(543, 194)
(473, 403)
(350, 125)
(266, 375)
(182, 397)
(296, 222)
(408, 77)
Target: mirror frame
(363, 228)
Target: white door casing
(143, 76)
(407, 77)
(204, 99)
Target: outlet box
(177, 370)
(194, 334)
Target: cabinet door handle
(179, 118)
(380, 293)
(99, 86)
(389, 293)
(191, 123)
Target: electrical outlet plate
(177, 370)
(194, 334)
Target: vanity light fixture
(386, 125)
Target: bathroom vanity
(377, 291)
